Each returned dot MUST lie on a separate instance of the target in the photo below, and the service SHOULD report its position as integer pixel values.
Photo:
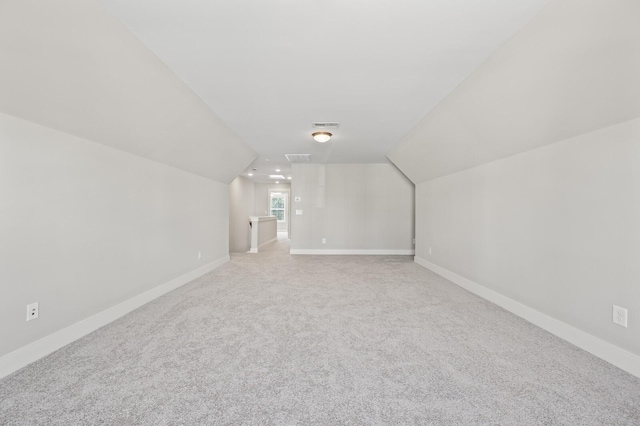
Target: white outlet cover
(299, 212)
(32, 311)
(620, 316)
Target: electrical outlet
(324, 241)
(32, 311)
(620, 316)
(199, 254)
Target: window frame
(282, 195)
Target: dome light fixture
(321, 137)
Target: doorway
(279, 208)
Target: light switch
(298, 212)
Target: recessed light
(277, 181)
(250, 174)
(289, 177)
(277, 170)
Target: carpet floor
(274, 339)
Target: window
(278, 202)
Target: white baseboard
(270, 241)
(356, 252)
(619, 357)
(255, 250)
(24, 356)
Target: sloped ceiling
(71, 66)
(269, 68)
(574, 68)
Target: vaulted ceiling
(71, 66)
(573, 69)
(436, 85)
(269, 69)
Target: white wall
(353, 206)
(267, 231)
(84, 227)
(241, 206)
(556, 228)
(526, 176)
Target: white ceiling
(269, 69)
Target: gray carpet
(278, 339)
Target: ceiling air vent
(298, 158)
(325, 125)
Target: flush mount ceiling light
(321, 137)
